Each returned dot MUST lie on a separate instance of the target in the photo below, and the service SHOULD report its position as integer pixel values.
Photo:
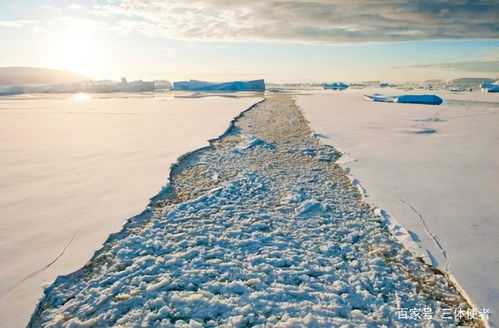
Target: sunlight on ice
(80, 96)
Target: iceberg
(406, 99)
(466, 83)
(9, 91)
(385, 85)
(335, 86)
(490, 87)
(420, 99)
(195, 85)
(162, 84)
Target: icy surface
(433, 166)
(406, 99)
(194, 85)
(72, 171)
(252, 236)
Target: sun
(77, 48)
(78, 55)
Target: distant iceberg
(103, 86)
(490, 87)
(335, 86)
(194, 85)
(406, 99)
(123, 86)
(9, 91)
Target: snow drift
(406, 99)
(195, 85)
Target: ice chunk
(406, 99)
(251, 142)
(420, 99)
(380, 98)
(309, 208)
(194, 85)
(490, 87)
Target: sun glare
(81, 96)
(79, 56)
(75, 49)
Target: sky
(279, 40)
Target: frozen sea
(433, 168)
(73, 169)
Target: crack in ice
(429, 233)
(43, 268)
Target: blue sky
(279, 40)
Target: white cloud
(15, 23)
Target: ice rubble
(245, 265)
(195, 85)
(406, 99)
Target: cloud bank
(15, 23)
(486, 66)
(324, 21)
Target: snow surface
(73, 171)
(435, 169)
